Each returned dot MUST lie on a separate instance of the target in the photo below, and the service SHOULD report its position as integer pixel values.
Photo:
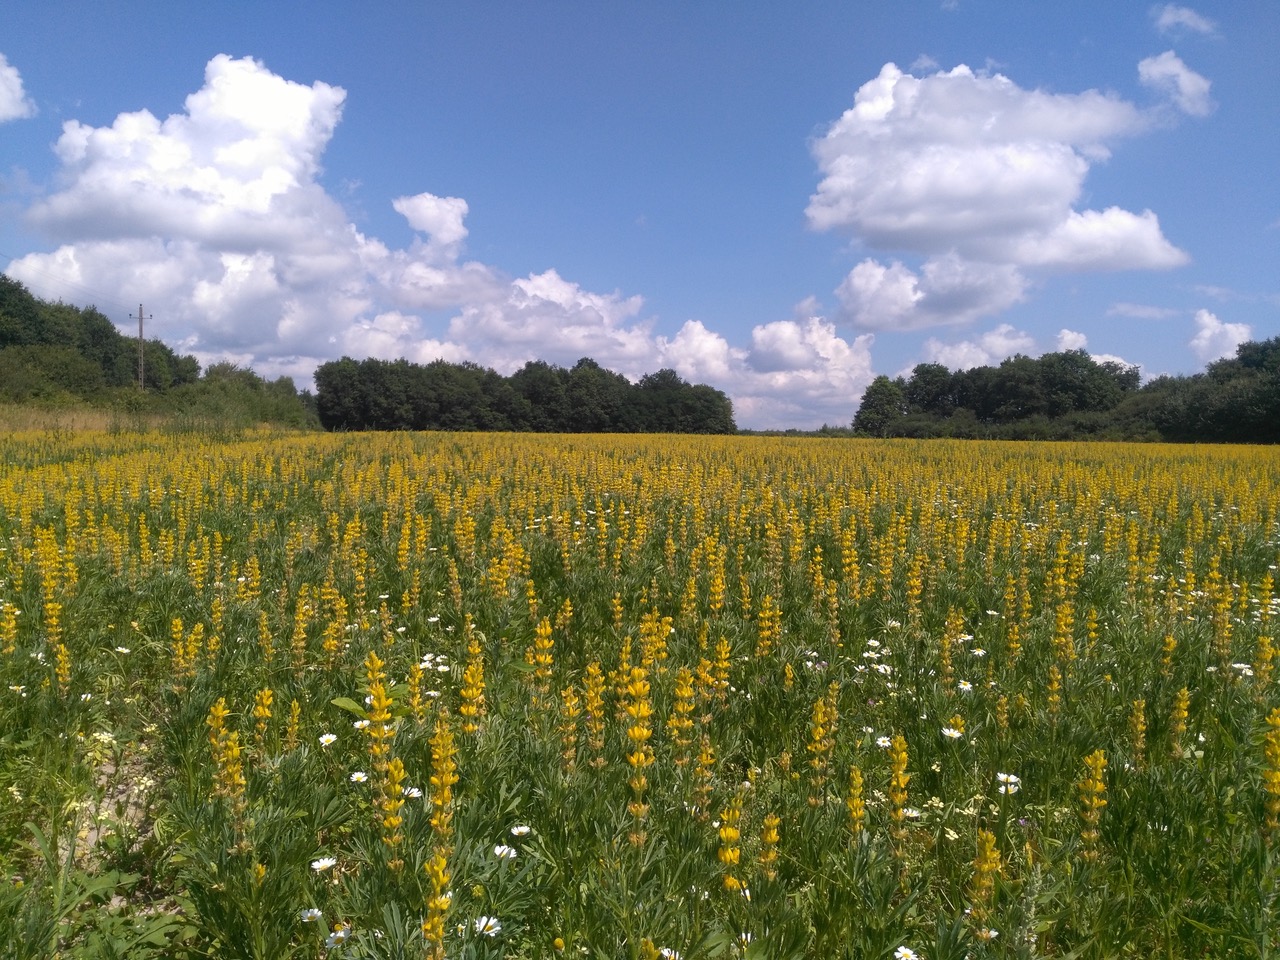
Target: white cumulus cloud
(14, 102)
(236, 170)
(802, 373)
(947, 290)
(214, 217)
(1168, 75)
(1074, 340)
(1171, 17)
(1117, 360)
(980, 178)
(439, 217)
(1215, 339)
(983, 351)
(217, 221)
(394, 335)
(1110, 239)
(546, 317)
(1071, 340)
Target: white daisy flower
(487, 926)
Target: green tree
(102, 343)
(1016, 391)
(600, 400)
(35, 372)
(19, 314)
(1073, 381)
(883, 405)
(658, 401)
(930, 389)
(339, 389)
(545, 387)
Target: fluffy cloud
(14, 102)
(439, 217)
(979, 177)
(801, 372)
(1215, 339)
(235, 171)
(393, 335)
(429, 275)
(1171, 17)
(699, 354)
(214, 216)
(215, 219)
(1074, 340)
(1070, 340)
(1119, 361)
(1167, 74)
(948, 290)
(990, 348)
(1111, 239)
(546, 317)
(957, 160)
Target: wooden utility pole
(141, 381)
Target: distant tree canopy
(1069, 395)
(57, 353)
(47, 349)
(399, 395)
(883, 406)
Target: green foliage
(55, 348)
(58, 355)
(540, 397)
(47, 372)
(882, 407)
(228, 396)
(1069, 395)
(66, 910)
(20, 322)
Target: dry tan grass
(15, 418)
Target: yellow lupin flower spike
(986, 867)
(1093, 789)
(1271, 776)
(898, 780)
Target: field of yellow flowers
(479, 696)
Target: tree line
(52, 348)
(1069, 395)
(399, 395)
(56, 354)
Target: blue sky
(783, 200)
